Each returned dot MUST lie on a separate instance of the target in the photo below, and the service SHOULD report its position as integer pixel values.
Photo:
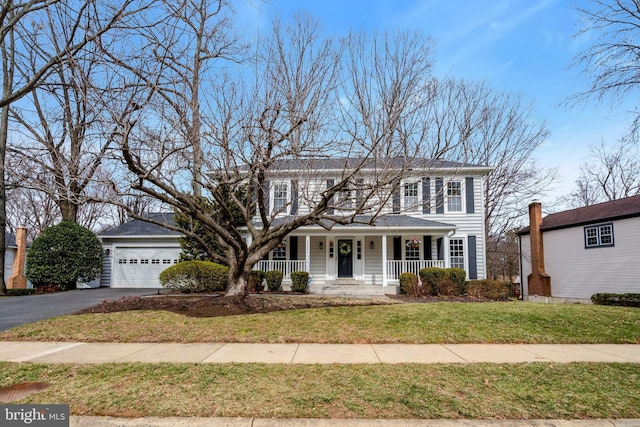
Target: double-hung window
(596, 236)
(411, 196)
(412, 250)
(345, 200)
(280, 197)
(454, 196)
(456, 253)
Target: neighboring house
(11, 249)
(435, 218)
(136, 252)
(574, 254)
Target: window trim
(598, 228)
(463, 250)
(411, 207)
(459, 196)
(287, 199)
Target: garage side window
(598, 236)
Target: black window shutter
(396, 200)
(293, 247)
(266, 193)
(470, 198)
(359, 196)
(473, 258)
(330, 183)
(439, 196)
(426, 195)
(427, 247)
(294, 197)
(397, 248)
(440, 248)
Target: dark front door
(345, 258)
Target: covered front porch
(358, 256)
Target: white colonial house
(434, 218)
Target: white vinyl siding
(579, 273)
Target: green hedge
(300, 281)
(489, 289)
(274, 280)
(626, 300)
(409, 283)
(20, 291)
(195, 276)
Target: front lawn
(537, 390)
(504, 322)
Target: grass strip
(512, 322)
(537, 390)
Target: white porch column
(384, 260)
(307, 252)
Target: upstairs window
(454, 196)
(280, 197)
(597, 236)
(345, 200)
(411, 196)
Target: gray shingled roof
(392, 221)
(341, 163)
(607, 211)
(136, 227)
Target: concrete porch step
(354, 289)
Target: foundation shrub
(489, 289)
(448, 287)
(256, 279)
(626, 300)
(300, 281)
(430, 277)
(195, 276)
(458, 276)
(274, 280)
(409, 283)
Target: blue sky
(519, 46)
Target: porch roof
(389, 222)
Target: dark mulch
(219, 305)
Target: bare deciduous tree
(283, 116)
(84, 23)
(611, 60)
(613, 172)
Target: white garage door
(141, 267)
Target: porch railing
(395, 268)
(285, 266)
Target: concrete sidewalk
(90, 353)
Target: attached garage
(136, 252)
(135, 267)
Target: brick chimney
(539, 282)
(17, 278)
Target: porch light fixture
(321, 245)
(371, 244)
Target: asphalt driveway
(18, 310)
